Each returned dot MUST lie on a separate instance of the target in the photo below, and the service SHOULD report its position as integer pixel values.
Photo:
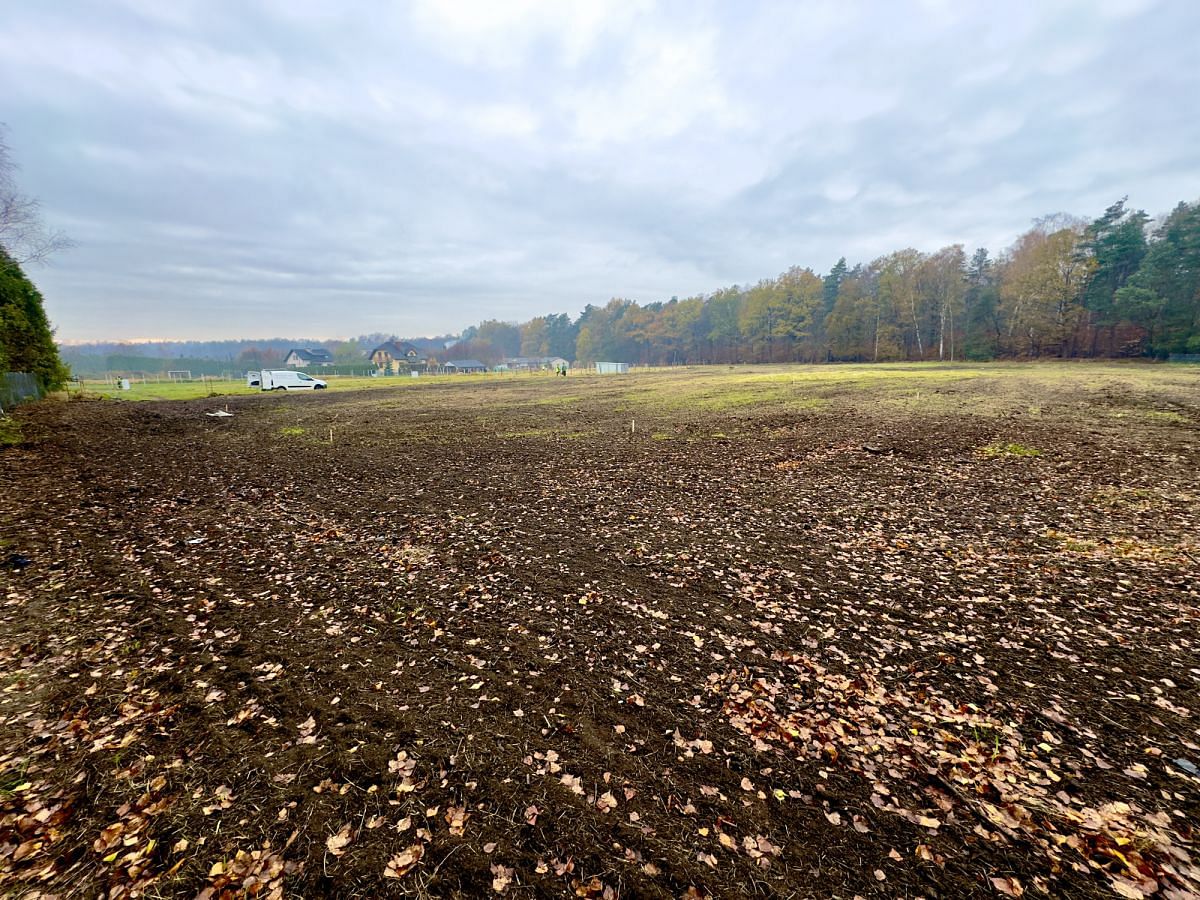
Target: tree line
(1121, 285)
(1116, 286)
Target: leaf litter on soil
(429, 661)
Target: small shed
(461, 366)
(612, 368)
(534, 363)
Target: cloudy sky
(303, 167)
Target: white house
(301, 359)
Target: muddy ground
(590, 637)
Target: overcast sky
(295, 167)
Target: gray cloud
(275, 168)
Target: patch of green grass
(1164, 416)
(924, 387)
(1138, 499)
(170, 390)
(789, 387)
(732, 399)
(291, 431)
(12, 780)
(991, 389)
(196, 390)
(1141, 499)
(1116, 547)
(1010, 449)
(719, 394)
(1071, 544)
(10, 432)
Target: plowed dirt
(584, 637)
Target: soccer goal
(180, 374)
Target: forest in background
(1113, 287)
(1118, 286)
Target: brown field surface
(834, 631)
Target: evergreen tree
(833, 281)
(561, 335)
(1116, 242)
(982, 302)
(1163, 296)
(26, 341)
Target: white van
(288, 380)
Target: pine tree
(1117, 243)
(1163, 296)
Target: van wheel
(280, 388)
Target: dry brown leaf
(502, 877)
(456, 818)
(337, 843)
(404, 861)
(1009, 886)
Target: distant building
(461, 366)
(314, 356)
(612, 368)
(394, 358)
(534, 363)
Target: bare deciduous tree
(23, 235)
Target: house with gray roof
(312, 356)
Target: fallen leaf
(1010, 886)
(501, 878)
(456, 818)
(337, 843)
(404, 861)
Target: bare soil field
(814, 632)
